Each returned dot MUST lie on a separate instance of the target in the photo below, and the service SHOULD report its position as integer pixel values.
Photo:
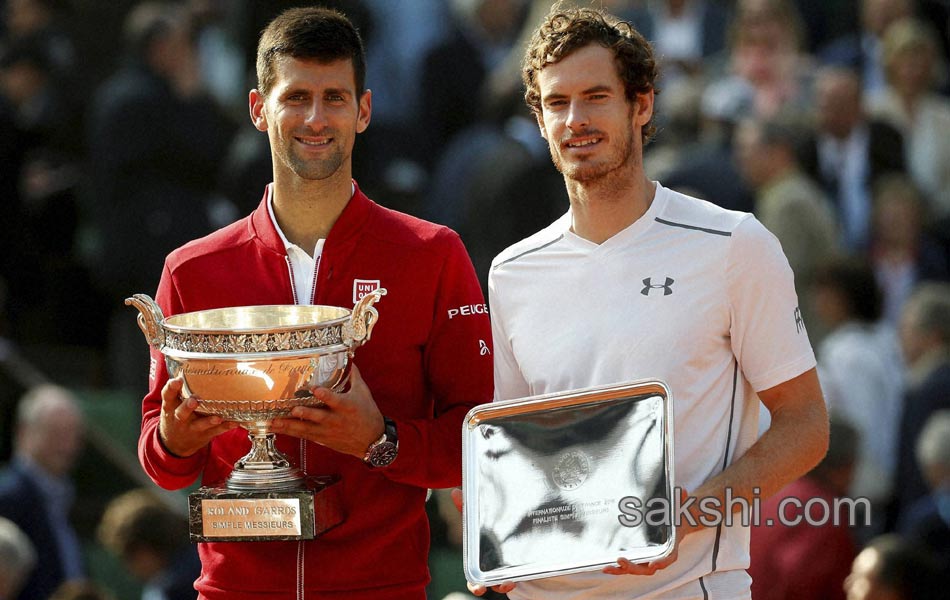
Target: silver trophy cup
(252, 364)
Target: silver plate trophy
(252, 364)
(550, 482)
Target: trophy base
(218, 514)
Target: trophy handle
(150, 319)
(358, 329)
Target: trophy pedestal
(218, 514)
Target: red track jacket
(427, 364)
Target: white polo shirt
(692, 294)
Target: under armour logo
(483, 348)
(799, 322)
(649, 285)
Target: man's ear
(643, 108)
(540, 118)
(366, 110)
(255, 101)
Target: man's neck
(605, 207)
(306, 210)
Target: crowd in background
(124, 133)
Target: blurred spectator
(402, 36)
(769, 74)
(17, 559)
(49, 285)
(902, 251)
(153, 544)
(861, 51)
(221, 60)
(35, 490)
(787, 201)
(850, 152)
(927, 521)
(925, 338)
(43, 22)
(858, 366)
(494, 184)
(707, 166)
(80, 590)
(156, 141)
(892, 568)
(911, 60)
(455, 70)
(683, 32)
(42, 109)
(783, 564)
(827, 20)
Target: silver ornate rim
(248, 343)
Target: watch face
(383, 454)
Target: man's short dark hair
(311, 33)
(906, 567)
(567, 29)
(854, 279)
(137, 520)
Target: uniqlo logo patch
(361, 287)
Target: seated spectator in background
(454, 71)
(892, 568)
(44, 22)
(35, 490)
(859, 369)
(783, 564)
(902, 251)
(41, 157)
(152, 542)
(706, 168)
(768, 72)
(927, 521)
(925, 339)
(494, 184)
(156, 140)
(861, 51)
(17, 559)
(156, 143)
(683, 32)
(909, 102)
(787, 201)
(849, 152)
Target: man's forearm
(794, 443)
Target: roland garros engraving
(571, 470)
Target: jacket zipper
(303, 453)
(293, 286)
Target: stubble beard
(586, 173)
(313, 168)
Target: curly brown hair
(567, 29)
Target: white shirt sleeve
(767, 332)
(509, 381)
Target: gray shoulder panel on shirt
(693, 227)
(526, 252)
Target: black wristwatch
(383, 451)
